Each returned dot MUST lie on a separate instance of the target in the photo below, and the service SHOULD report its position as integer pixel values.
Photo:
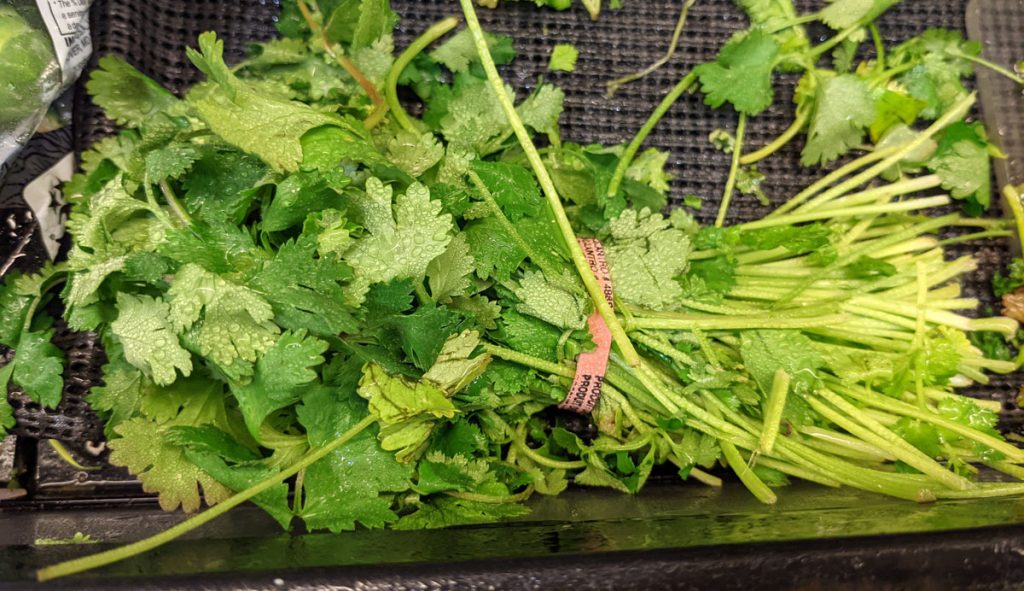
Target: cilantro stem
(614, 85)
(734, 169)
(634, 145)
(876, 400)
(435, 32)
(663, 348)
(737, 322)
(172, 201)
(1012, 196)
(853, 447)
(850, 212)
(492, 499)
(379, 106)
(818, 50)
(991, 66)
(85, 563)
(69, 459)
(873, 194)
(802, 115)
(743, 470)
(578, 258)
(815, 187)
(975, 236)
(876, 38)
(792, 470)
(520, 442)
(857, 422)
(773, 410)
(529, 360)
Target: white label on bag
(68, 24)
(43, 195)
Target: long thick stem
(83, 564)
(554, 201)
(435, 32)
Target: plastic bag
(44, 45)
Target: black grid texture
(151, 35)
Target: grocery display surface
(642, 532)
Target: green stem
(734, 168)
(554, 201)
(492, 499)
(663, 348)
(858, 423)
(634, 145)
(545, 461)
(773, 411)
(832, 177)
(876, 37)
(614, 85)
(818, 50)
(849, 212)
(909, 410)
(737, 322)
(992, 66)
(745, 473)
(529, 361)
(801, 119)
(176, 206)
(873, 194)
(83, 564)
(1012, 196)
(435, 32)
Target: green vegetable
(26, 55)
(563, 58)
(386, 315)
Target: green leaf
(513, 187)
(150, 343)
(563, 58)
(649, 168)
(219, 187)
(39, 367)
(843, 109)
(422, 334)
(394, 398)
(301, 194)
(962, 162)
(438, 473)
(350, 484)
(455, 366)
(126, 95)
(253, 121)
(401, 243)
(170, 162)
(741, 74)
(540, 298)
(541, 110)
(305, 291)
(764, 352)
(494, 251)
(528, 335)
(843, 14)
(892, 109)
(449, 274)
(228, 322)
(866, 267)
(459, 51)
(447, 512)
(645, 255)
(280, 376)
(414, 153)
(162, 467)
(239, 477)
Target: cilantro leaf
(645, 255)
(39, 367)
(305, 291)
(449, 274)
(415, 154)
(150, 343)
(563, 58)
(962, 162)
(227, 322)
(843, 109)
(459, 51)
(253, 121)
(844, 14)
(455, 367)
(741, 74)
(442, 511)
(540, 298)
(143, 448)
(280, 375)
(125, 94)
(403, 242)
(766, 351)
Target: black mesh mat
(151, 35)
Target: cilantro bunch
(312, 300)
